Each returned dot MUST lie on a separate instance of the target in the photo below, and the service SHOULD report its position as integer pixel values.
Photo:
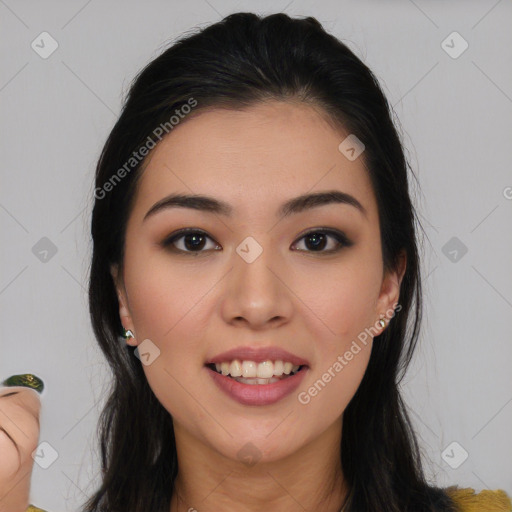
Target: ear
(124, 311)
(390, 288)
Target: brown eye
(190, 240)
(318, 240)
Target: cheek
(163, 298)
(340, 299)
(341, 308)
(167, 305)
(334, 381)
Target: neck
(309, 479)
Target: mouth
(257, 391)
(257, 375)
(252, 373)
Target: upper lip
(258, 355)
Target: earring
(382, 323)
(127, 334)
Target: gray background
(455, 114)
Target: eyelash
(340, 237)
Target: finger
(21, 396)
(11, 457)
(19, 419)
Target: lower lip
(257, 394)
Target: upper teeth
(248, 369)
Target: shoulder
(31, 508)
(467, 500)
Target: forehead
(253, 157)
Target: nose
(256, 294)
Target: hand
(19, 436)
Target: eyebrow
(292, 206)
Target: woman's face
(252, 278)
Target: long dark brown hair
(235, 63)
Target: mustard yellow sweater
(485, 501)
(466, 500)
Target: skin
(314, 304)
(19, 434)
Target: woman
(255, 243)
